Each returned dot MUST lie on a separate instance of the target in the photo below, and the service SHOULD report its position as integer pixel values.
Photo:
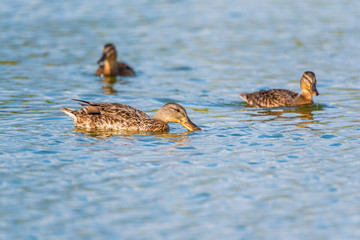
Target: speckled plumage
(284, 97)
(120, 117)
(111, 66)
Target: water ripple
(274, 173)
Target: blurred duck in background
(111, 67)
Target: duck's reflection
(174, 137)
(304, 112)
(109, 82)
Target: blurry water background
(279, 173)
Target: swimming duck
(283, 97)
(111, 66)
(120, 117)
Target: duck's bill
(101, 59)
(314, 91)
(190, 125)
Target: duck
(284, 97)
(120, 117)
(111, 66)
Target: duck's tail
(243, 96)
(69, 112)
(82, 102)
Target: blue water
(281, 173)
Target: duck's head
(308, 83)
(109, 53)
(175, 113)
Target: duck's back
(113, 116)
(270, 98)
(125, 70)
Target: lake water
(252, 173)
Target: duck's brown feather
(114, 116)
(270, 98)
(123, 70)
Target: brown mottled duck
(283, 97)
(111, 66)
(120, 117)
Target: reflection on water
(304, 112)
(8, 62)
(109, 83)
(174, 137)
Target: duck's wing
(113, 116)
(123, 111)
(99, 71)
(125, 70)
(269, 98)
(112, 109)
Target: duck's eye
(176, 109)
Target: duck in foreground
(120, 117)
(283, 97)
(111, 66)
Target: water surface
(252, 173)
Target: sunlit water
(281, 173)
